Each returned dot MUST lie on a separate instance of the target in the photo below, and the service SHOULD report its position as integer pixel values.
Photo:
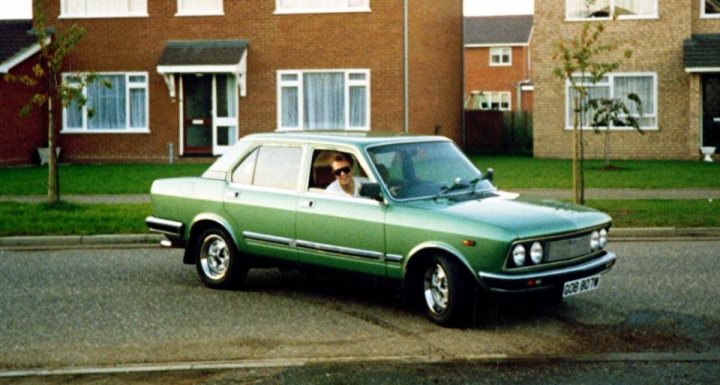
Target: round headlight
(518, 255)
(603, 238)
(536, 253)
(594, 240)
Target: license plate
(581, 285)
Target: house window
(103, 8)
(605, 9)
(199, 7)
(500, 56)
(309, 100)
(618, 86)
(115, 103)
(319, 6)
(710, 8)
(496, 101)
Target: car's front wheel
(218, 262)
(446, 291)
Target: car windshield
(426, 169)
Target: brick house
(497, 63)
(21, 135)
(190, 77)
(674, 69)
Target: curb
(115, 240)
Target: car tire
(218, 261)
(446, 291)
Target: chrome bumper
(546, 279)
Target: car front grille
(568, 248)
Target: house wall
(21, 136)
(480, 76)
(657, 46)
(435, 71)
(371, 40)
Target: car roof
(357, 139)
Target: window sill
(313, 11)
(129, 15)
(620, 18)
(221, 13)
(105, 131)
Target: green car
(412, 209)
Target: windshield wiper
(456, 185)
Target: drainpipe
(406, 81)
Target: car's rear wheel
(218, 262)
(446, 291)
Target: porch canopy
(701, 53)
(204, 56)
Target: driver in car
(345, 182)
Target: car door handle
(308, 204)
(232, 194)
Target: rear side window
(270, 166)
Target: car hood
(524, 217)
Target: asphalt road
(89, 308)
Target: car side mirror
(372, 191)
(490, 174)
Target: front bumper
(518, 283)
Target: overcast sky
(498, 7)
(21, 9)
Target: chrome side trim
(268, 238)
(340, 250)
(164, 226)
(393, 258)
(607, 258)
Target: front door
(198, 122)
(711, 111)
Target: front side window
(500, 56)
(319, 6)
(605, 9)
(199, 7)
(309, 100)
(618, 86)
(103, 8)
(115, 103)
(496, 101)
(270, 166)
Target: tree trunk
(607, 147)
(53, 177)
(576, 153)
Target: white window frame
(612, 10)
(488, 97)
(499, 52)
(65, 12)
(610, 83)
(704, 15)
(298, 84)
(364, 6)
(181, 11)
(128, 86)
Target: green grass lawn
(523, 172)
(72, 219)
(93, 179)
(510, 173)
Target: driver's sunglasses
(341, 170)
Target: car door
(339, 231)
(261, 199)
